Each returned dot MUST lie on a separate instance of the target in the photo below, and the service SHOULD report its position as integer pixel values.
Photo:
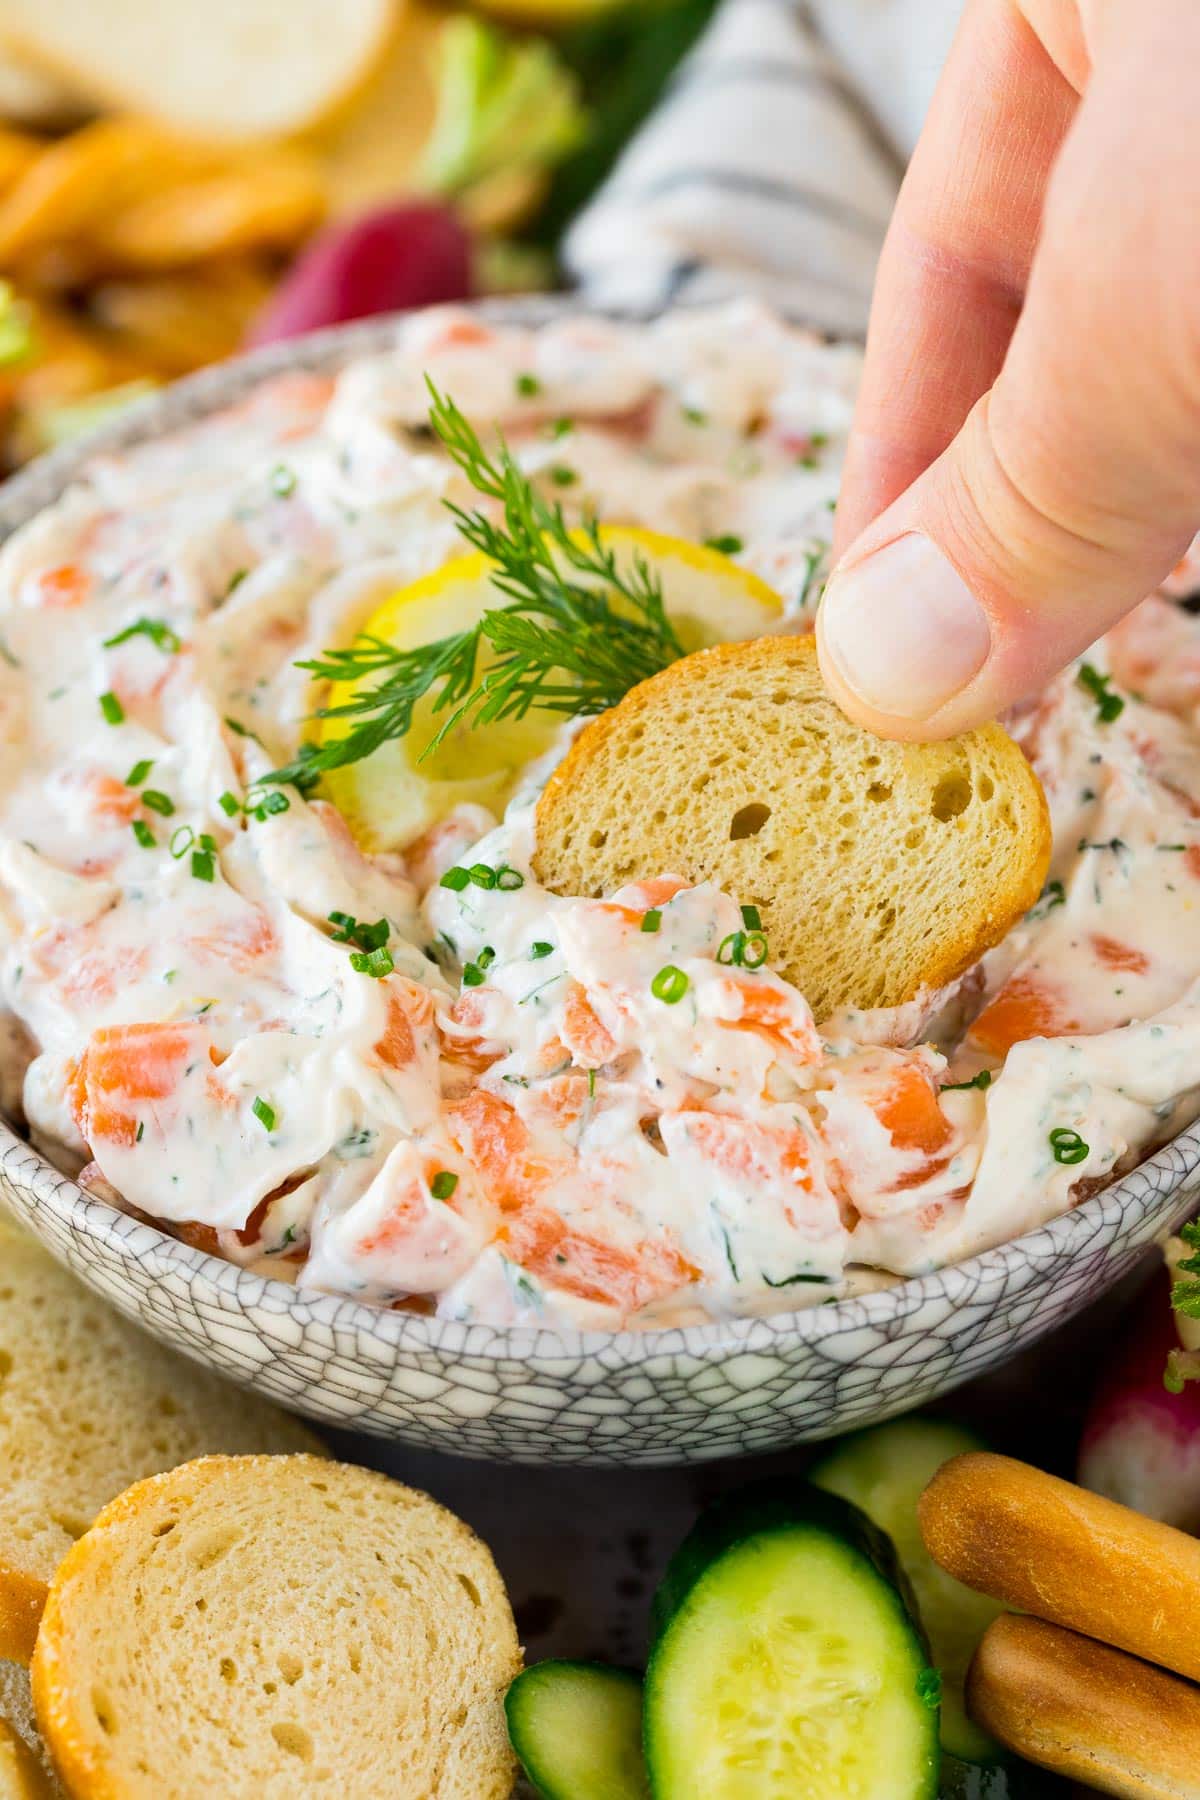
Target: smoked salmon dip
(411, 1075)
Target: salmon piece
(239, 941)
(909, 1111)
(563, 1098)
(751, 1152)
(632, 903)
(1115, 955)
(474, 1050)
(1024, 1008)
(409, 1011)
(576, 1263)
(112, 801)
(590, 1043)
(65, 586)
(772, 1014)
(1191, 860)
(497, 1144)
(126, 1064)
(96, 977)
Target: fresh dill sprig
(572, 634)
(1185, 1295)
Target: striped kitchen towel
(772, 164)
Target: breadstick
(1047, 1547)
(1086, 1711)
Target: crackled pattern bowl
(529, 1395)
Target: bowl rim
(1152, 1183)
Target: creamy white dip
(512, 1125)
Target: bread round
(88, 1404)
(879, 869)
(271, 1628)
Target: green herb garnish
(112, 709)
(1110, 706)
(1185, 1295)
(158, 802)
(264, 1113)
(1068, 1146)
(728, 544)
(157, 630)
(571, 633)
(651, 920)
(143, 834)
(283, 481)
(538, 950)
(139, 772)
(527, 386)
(229, 804)
(203, 865)
(443, 1184)
(980, 1081)
(376, 963)
(670, 985)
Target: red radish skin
(389, 260)
(1141, 1444)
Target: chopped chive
(540, 949)
(229, 804)
(443, 1184)
(143, 834)
(730, 948)
(980, 1081)
(486, 957)
(694, 415)
(482, 874)
(161, 635)
(651, 920)
(264, 802)
(509, 879)
(264, 1113)
(473, 976)
(140, 1131)
(139, 772)
(456, 879)
(1068, 1146)
(207, 842)
(751, 918)
(112, 709)
(560, 428)
(562, 475)
(182, 839)
(729, 544)
(527, 386)
(591, 1083)
(1110, 706)
(754, 950)
(235, 581)
(669, 985)
(818, 439)
(372, 962)
(158, 802)
(346, 924)
(283, 481)
(202, 865)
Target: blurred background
(177, 178)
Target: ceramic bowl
(533, 1395)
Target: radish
(1141, 1442)
(393, 258)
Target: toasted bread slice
(256, 1627)
(231, 69)
(87, 1405)
(879, 869)
(25, 1771)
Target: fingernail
(903, 629)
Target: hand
(1025, 461)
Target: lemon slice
(391, 798)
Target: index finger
(955, 263)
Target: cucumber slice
(883, 1471)
(785, 1662)
(577, 1728)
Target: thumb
(1073, 487)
